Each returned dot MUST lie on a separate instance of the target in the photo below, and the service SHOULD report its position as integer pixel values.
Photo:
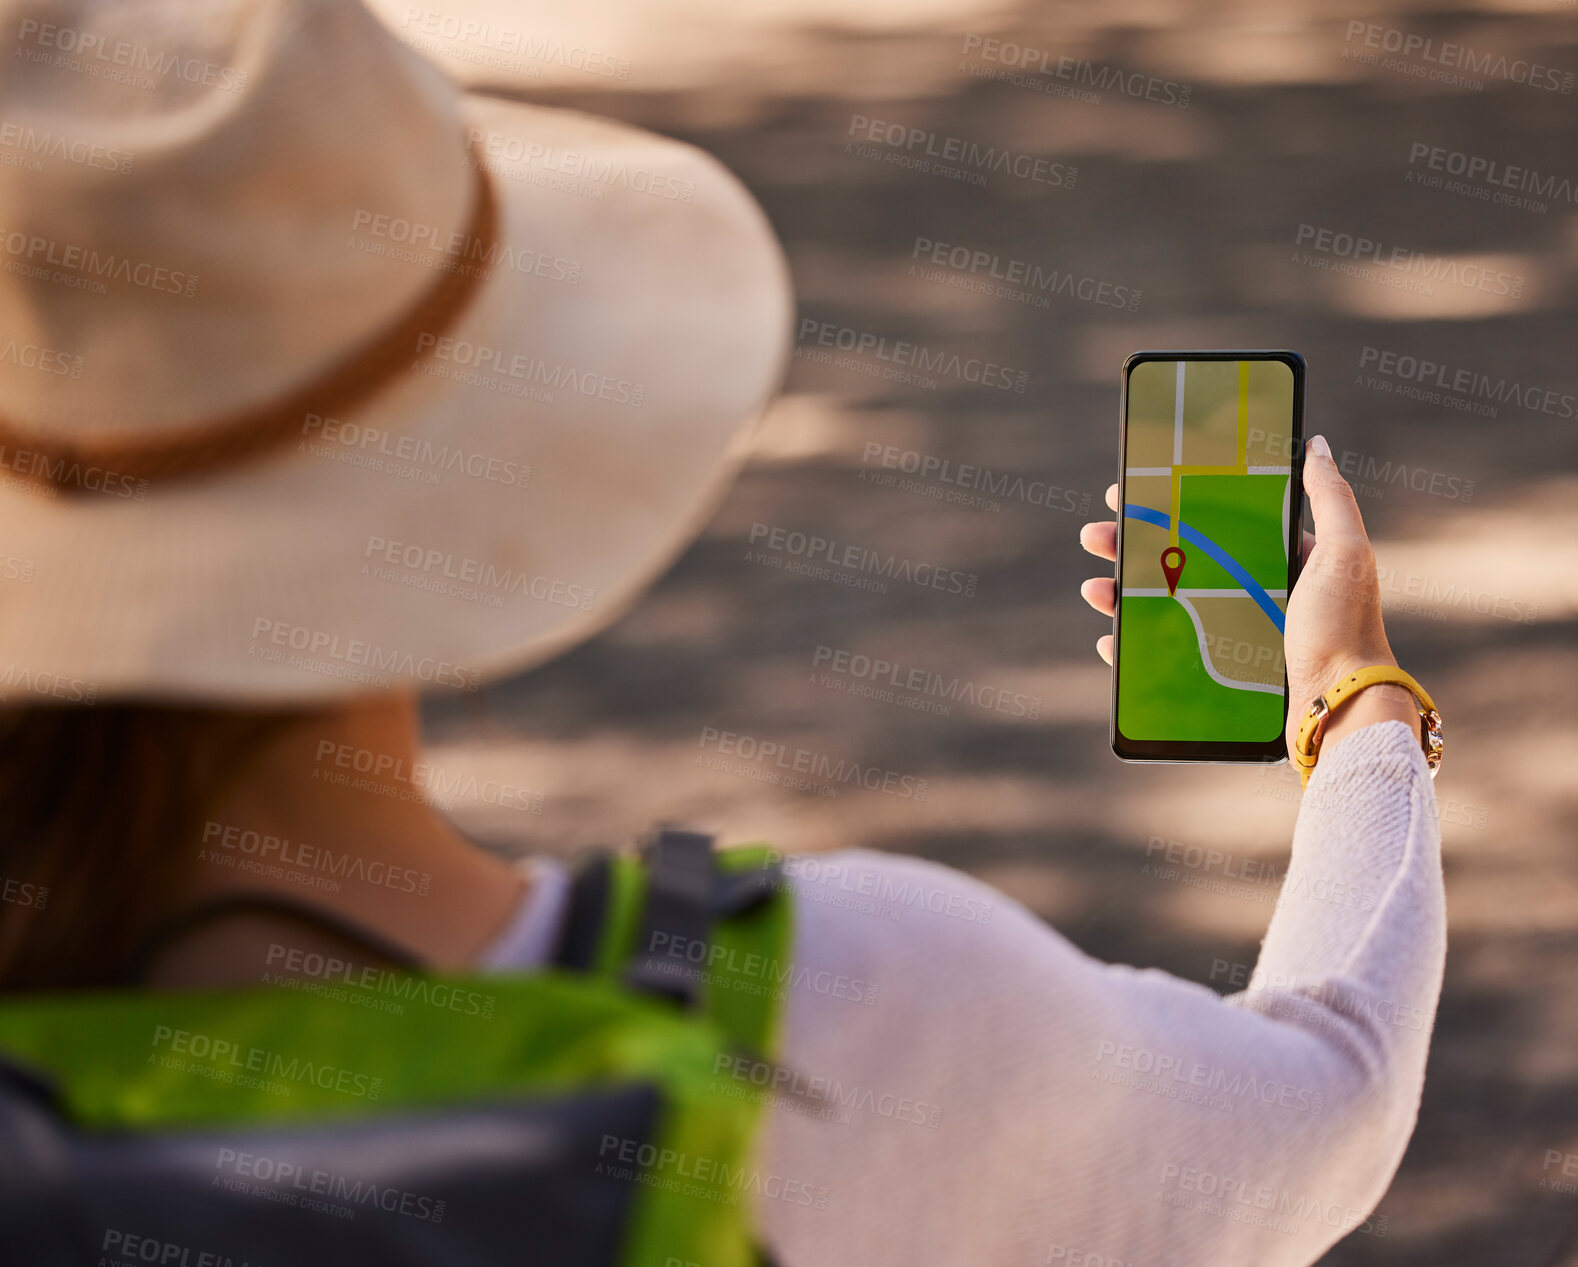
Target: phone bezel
(1190, 750)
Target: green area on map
(1166, 693)
(1245, 510)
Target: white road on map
(1183, 596)
(1216, 674)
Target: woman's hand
(1334, 613)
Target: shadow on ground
(1199, 208)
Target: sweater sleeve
(966, 1086)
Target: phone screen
(1212, 503)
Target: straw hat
(318, 376)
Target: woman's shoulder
(913, 926)
(895, 889)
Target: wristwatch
(1306, 744)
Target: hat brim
(492, 507)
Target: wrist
(1370, 707)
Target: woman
(407, 390)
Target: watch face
(1435, 741)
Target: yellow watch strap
(1306, 744)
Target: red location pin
(1172, 568)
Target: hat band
(344, 384)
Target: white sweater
(976, 1090)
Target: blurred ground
(1473, 504)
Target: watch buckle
(1320, 710)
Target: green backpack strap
(709, 930)
(677, 915)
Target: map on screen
(1203, 589)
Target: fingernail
(1318, 444)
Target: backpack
(596, 1113)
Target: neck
(330, 813)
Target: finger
(1100, 593)
(1309, 544)
(1332, 504)
(1112, 498)
(1104, 647)
(1100, 539)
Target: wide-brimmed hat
(319, 376)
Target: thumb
(1332, 503)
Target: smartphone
(1211, 490)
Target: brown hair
(98, 808)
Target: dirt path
(1213, 223)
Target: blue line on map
(1231, 565)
